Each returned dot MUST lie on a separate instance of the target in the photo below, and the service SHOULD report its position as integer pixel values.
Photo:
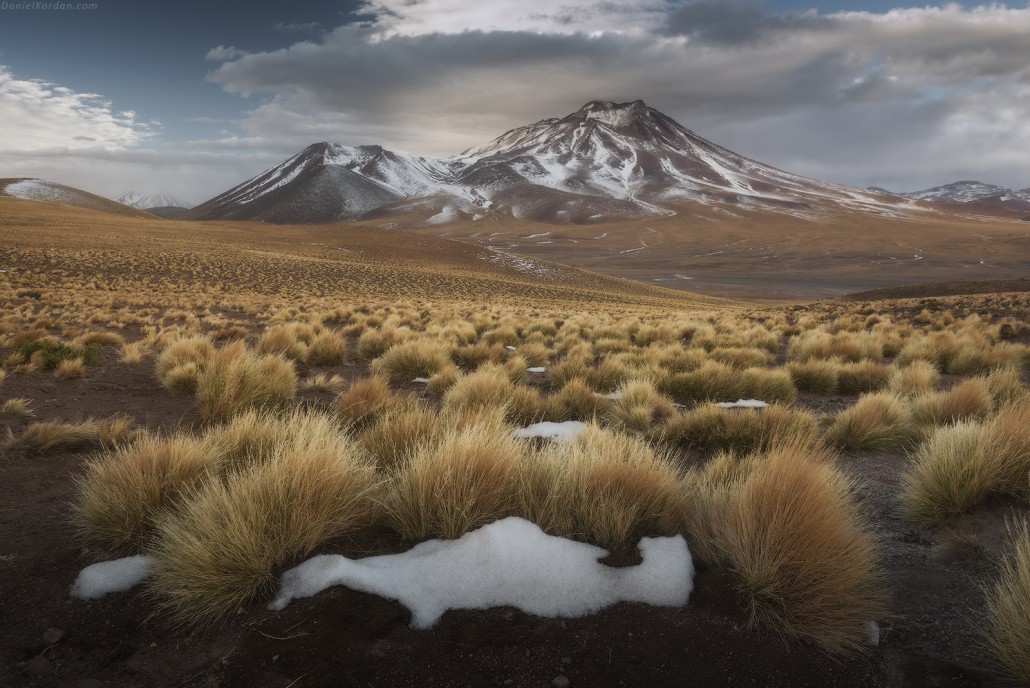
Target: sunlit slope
(52, 245)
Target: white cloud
(38, 115)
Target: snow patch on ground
(510, 562)
(565, 430)
(742, 403)
(117, 575)
(536, 369)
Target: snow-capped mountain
(975, 193)
(605, 161)
(142, 201)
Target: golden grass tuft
(603, 487)
(256, 435)
(19, 408)
(235, 380)
(816, 376)
(413, 358)
(328, 348)
(463, 480)
(55, 436)
(575, 401)
(283, 340)
(1007, 629)
(398, 432)
(122, 492)
(321, 382)
(709, 428)
(793, 535)
(958, 465)
(968, 400)
(862, 377)
(100, 338)
(220, 548)
(195, 350)
(879, 421)
(487, 387)
(638, 407)
(133, 353)
(364, 402)
(70, 368)
(916, 379)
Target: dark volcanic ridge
(604, 162)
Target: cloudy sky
(192, 97)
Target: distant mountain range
(135, 199)
(606, 161)
(974, 193)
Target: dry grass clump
(122, 492)
(958, 465)
(364, 402)
(792, 533)
(443, 380)
(816, 376)
(603, 486)
(180, 356)
(220, 548)
(413, 358)
(862, 377)
(707, 491)
(711, 382)
(710, 428)
(876, 422)
(524, 407)
(257, 435)
(846, 346)
(284, 341)
(607, 376)
(464, 480)
(321, 382)
(398, 432)
(100, 338)
(19, 408)
(70, 368)
(1008, 607)
(978, 358)
(53, 436)
(2, 376)
(575, 401)
(771, 386)
(1005, 386)
(133, 353)
(235, 380)
(327, 348)
(535, 353)
(916, 379)
(487, 387)
(750, 357)
(374, 343)
(968, 400)
(638, 406)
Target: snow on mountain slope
(51, 192)
(975, 193)
(958, 192)
(135, 199)
(605, 161)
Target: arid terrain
(129, 345)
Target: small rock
(509, 682)
(52, 636)
(566, 660)
(560, 682)
(39, 666)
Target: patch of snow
(742, 403)
(421, 380)
(614, 396)
(537, 369)
(509, 347)
(565, 430)
(509, 562)
(117, 575)
(872, 633)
